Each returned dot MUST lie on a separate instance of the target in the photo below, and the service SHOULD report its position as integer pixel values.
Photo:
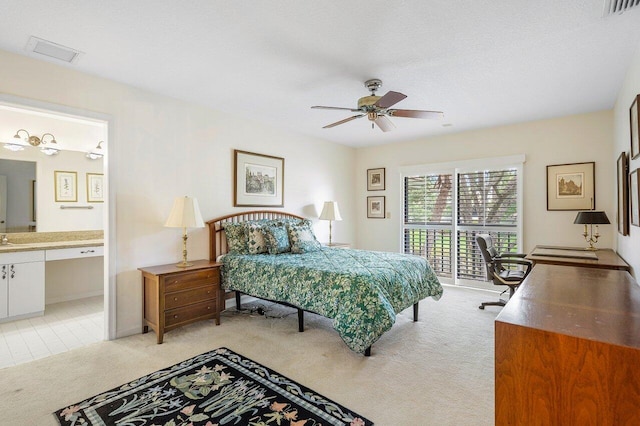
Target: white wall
(627, 246)
(572, 139)
(163, 148)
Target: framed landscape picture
(259, 180)
(66, 184)
(375, 207)
(375, 179)
(571, 186)
(623, 194)
(634, 187)
(634, 118)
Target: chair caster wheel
(481, 307)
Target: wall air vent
(53, 50)
(617, 7)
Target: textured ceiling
(484, 63)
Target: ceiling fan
(377, 108)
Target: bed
(361, 291)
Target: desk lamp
(591, 218)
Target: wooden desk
(606, 258)
(567, 349)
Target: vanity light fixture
(35, 141)
(96, 153)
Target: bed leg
(238, 295)
(367, 352)
(415, 312)
(300, 320)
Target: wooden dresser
(174, 296)
(567, 349)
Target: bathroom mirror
(17, 196)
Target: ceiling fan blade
(337, 123)
(339, 108)
(416, 113)
(384, 123)
(391, 98)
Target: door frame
(109, 216)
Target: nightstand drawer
(192, 279)
(187, 313)
(183, 298)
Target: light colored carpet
(438, 371)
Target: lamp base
(183, 264)
(591, 248)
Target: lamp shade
(185, 214)
(330, 211)
(591, 218)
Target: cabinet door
(4, 291)
(26, 288)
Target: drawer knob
(175, 298)
(208, 291)
(209, 307)
(175, 316)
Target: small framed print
(634, 118)
(375, 207)
(66, 184)
(634, 187)
(95, 188)
(375, 179)
(571, 186)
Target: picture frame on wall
(634, 118)
(258, 180)
(634, 187)
(623, 193)
(66, 186)
(95, 188)
(376, 179)
(376, 207)
(571, 186)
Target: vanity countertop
(49, 245)
(30, 241)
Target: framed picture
(635, 198)
(634, 118)
(375, 207)
(66, 186)
(571, 186)
(95, 188)
(623, 194)
(375, 179)
(259, 180)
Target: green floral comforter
(362, 291)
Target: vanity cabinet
(21, 284)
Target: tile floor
(63, 327)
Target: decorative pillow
(277, 238)
(236, 237)
(255, 238)
(302, 238)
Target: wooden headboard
(217, 240)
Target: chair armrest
(505, 255)
(516, 261)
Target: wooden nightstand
(174, 296)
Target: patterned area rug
(216, 388)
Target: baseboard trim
(60, 299)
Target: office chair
(496, 271)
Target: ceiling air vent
(53, 50)
(617, 7)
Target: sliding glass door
(444, 210)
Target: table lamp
(185, 214)
(591, 218)
(330, 212)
